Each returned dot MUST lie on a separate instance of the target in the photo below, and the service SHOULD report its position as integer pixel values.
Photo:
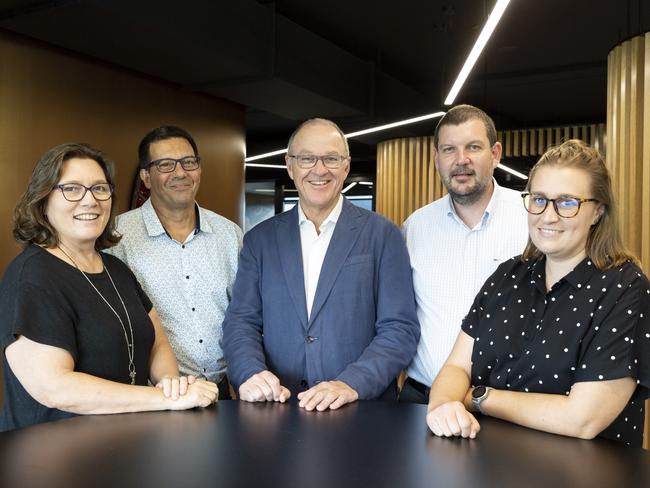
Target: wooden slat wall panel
(406, 174)
(406, 177)
(628, 146)
(534, 142)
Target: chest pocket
(357, 259)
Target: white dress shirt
(314, 247)
(450, 263)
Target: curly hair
(30, 222)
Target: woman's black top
(50, 302)
(592, 325)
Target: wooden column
(406, 177)
(628, 146)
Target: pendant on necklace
(132, 375)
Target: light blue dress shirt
(189, 283)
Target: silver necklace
(129, 344)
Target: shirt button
(187, 277)
(200, 341)
(311, 339)
(183, 246)
(193, 309)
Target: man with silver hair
(323, 302)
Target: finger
(464, 422)
(167, 386)
(245, 393)
(175, 386)
(274, 383)
(452, 425)
(249, 392)
(327, 400)
(315, 400)
(210, 385)
(476, 427)
(191, 379)
(306, 396)
(340, 401)
(444, 426)
(284, 395)
(432, 422)
(265, 389)
(206, 399)
(183, 385)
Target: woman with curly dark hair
(78, 333)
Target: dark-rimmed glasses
(566, 207)
(167, 165)
(75, 192)
(308, 161)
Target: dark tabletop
(367, 444)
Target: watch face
(478, 392)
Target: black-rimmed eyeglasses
(74, 192)
(566, 207)
(167, 165)
(308, 161)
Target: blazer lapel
(344, 237)
(290, 251)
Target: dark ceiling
(359, 62)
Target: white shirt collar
(489, 209)
(333, 216)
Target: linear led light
(265, 155)
(347, 136)
(395, 124)
(351, 185)
(512, 171)
(356, 197)
(367, 183)
(283, 166)
(482, 40)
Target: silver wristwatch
(479, 394)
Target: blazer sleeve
(242, 325)
(396, 326)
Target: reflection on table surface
(372, 444)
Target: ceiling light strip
(512, 171)
(257, 165)
(474, 54)
(351, 185)
(347, 136)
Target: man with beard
(456, 242)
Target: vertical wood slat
(406, 177)
(628, 147)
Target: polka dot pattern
(573, 333)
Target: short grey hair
(318, 120)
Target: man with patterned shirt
(184, 256)
(456, 242)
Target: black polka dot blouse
(592, 325)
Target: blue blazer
(363, 328)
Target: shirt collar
(577, 277)
(333, 216)
(489, 209)
(154, 225)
